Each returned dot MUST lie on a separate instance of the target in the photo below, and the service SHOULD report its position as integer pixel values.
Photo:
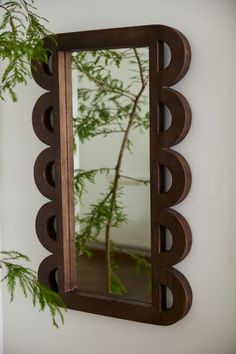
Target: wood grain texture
(60, 240)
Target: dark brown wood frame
(59, 241)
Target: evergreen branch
(143, 263)
(117, 287)
(89, 126)
(103, 85)
(13, 255)
(21, 40)
(93, 72)
(29, 284)
(81, 176)
(94, 221)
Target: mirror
(109, 119)
(110, 91)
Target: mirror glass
(112, 171)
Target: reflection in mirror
(111, 171)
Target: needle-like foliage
(16, 274)
(21, 40)
(143, 263)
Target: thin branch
(106, 132)
(114, 188)
(139, 66)
(107, 169)
(3, 7)
(140, 180)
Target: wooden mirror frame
(58, 270)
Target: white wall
(210, 207)
(1, 300)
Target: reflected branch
(139, 180)
(95, 110)
(117, 177)
(104, 85)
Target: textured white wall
(210, 207)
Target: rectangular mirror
(110, 119)
(110, 91)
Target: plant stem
(139, 180)
(117, 176)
